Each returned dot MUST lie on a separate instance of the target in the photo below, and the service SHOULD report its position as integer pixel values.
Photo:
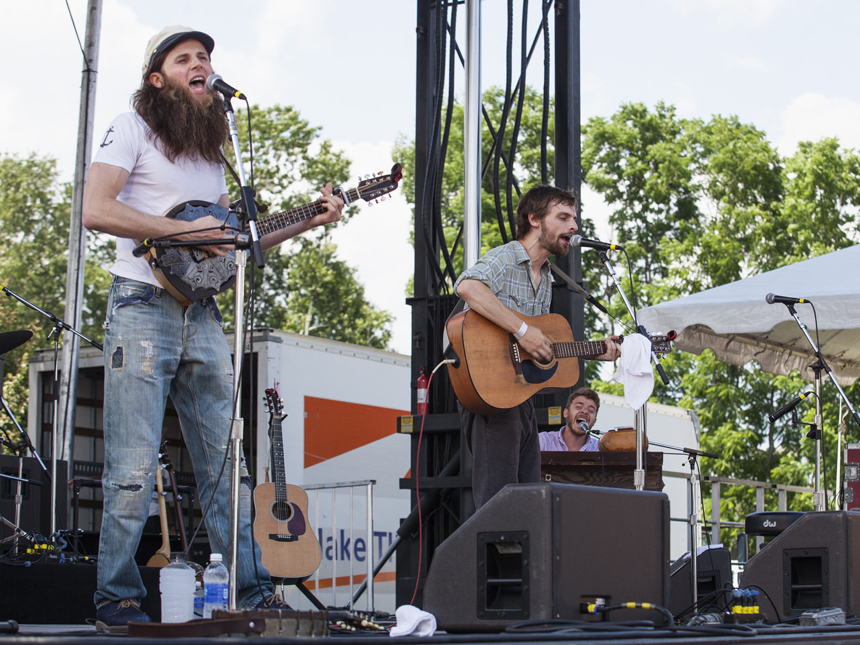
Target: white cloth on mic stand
(412, 621)
(634, 370)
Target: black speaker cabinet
(61, 594)
(810, 565)
(35, 500)
(713, 572)
(539, 551)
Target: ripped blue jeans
(155, 348)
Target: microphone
(772, 298)
(142, 248)
(579, 241)
(788, 407)
(217, 84)
(583, 425)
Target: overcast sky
(786, 66)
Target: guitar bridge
(282, 538)
(516, 359)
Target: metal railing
(760, 487)
(331, 493)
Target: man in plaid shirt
(516, 276)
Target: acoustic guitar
(493, 372)
(190, 273)
(289, 546)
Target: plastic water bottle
(176, 583)
(215, 586)
(198, 599)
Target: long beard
(185, 126)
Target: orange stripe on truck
(333, 428)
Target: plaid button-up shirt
(506, 270)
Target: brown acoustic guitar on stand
(289, 547)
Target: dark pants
(505, 449)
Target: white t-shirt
(155, 184)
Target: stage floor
(723, 635)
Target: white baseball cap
(168, 38)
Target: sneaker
(273, 602)
(114, 617)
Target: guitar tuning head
(371, 203)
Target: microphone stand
(237, 423)
(817, 367)
(20, 449)
(17, 531)
(56, 332)
(639, 416)
(695, 499)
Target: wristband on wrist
(521, 331)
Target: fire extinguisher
(422, 394)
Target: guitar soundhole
(282, 511)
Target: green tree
(291, 164)
(34, 219)
(705, 203)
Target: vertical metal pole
(371, 601)
(236, 425)
(715, 512)
(77, 234)
(334, 547)
(352, 542)
(759, 507)
(568, 158)
(818, 495)
(472, 136)
(695, 528)
(640, 418)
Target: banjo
(190, 273)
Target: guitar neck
(278, 221)
(571, 349)
(279, 476)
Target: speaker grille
(503, 575)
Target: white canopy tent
(735, 321)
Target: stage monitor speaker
(713, 572)
(50, 593)
(810, 565)
(35, 500)
(541, 551)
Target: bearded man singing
(166, 152)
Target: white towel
(634, 370)
(411, 621)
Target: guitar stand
(299, 583)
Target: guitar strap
(573, 285)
